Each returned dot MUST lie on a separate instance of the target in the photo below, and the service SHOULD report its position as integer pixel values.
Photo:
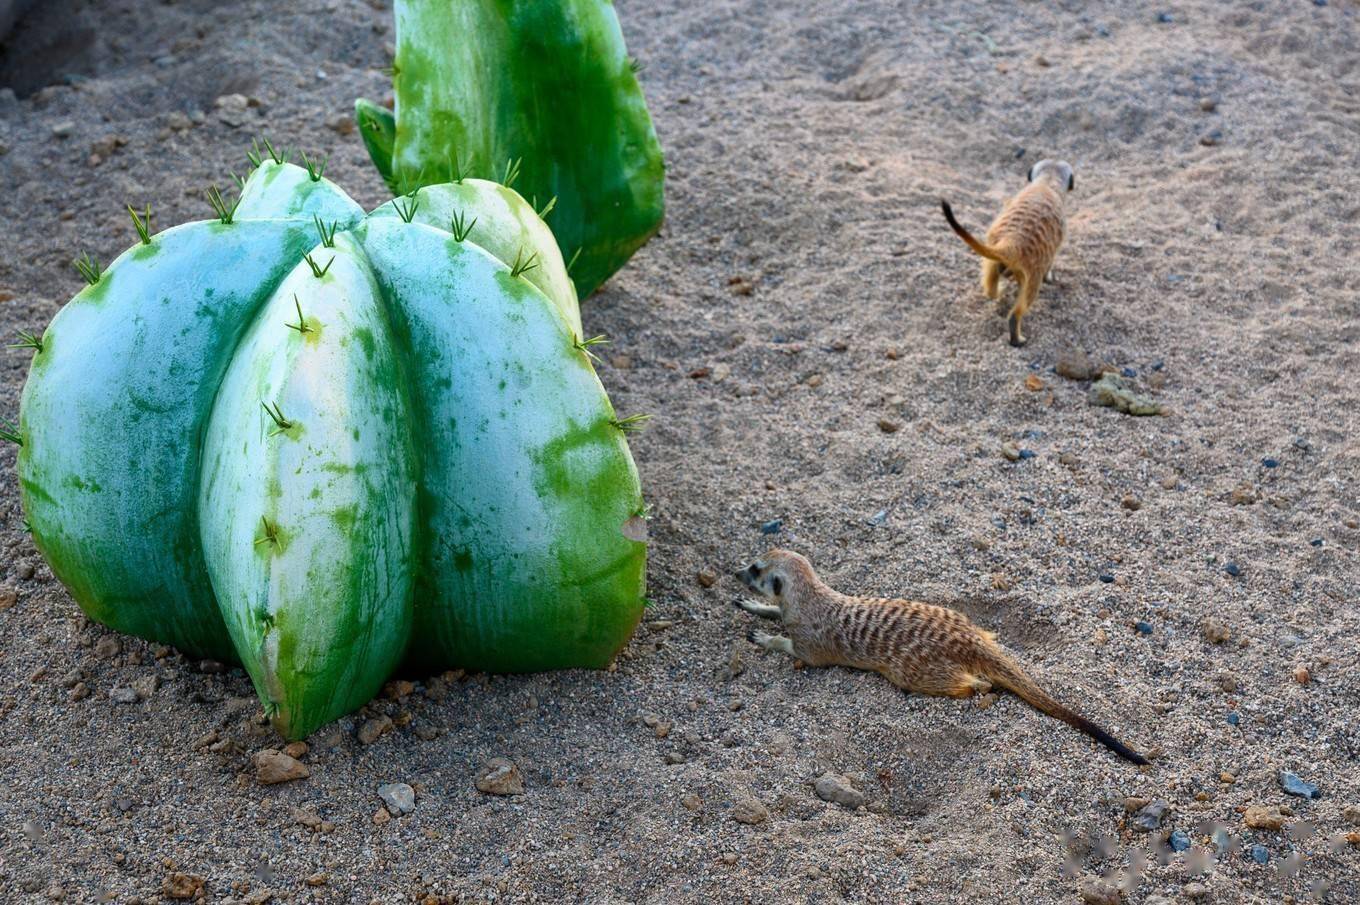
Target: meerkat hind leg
(1029, 288)
(966, 684)
(991, 279)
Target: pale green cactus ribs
(323, 443)
(540, 94)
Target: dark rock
(1233, 569)
(1260, 854)
(1144, 628)
(1107, 579)
(1233, 718)
(772, 527)
(1270, 463)
(1293, 785)
(1179, 841)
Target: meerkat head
(1060, 171)
(779, 575)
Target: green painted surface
(308, 532)
(525, 485)
(548, 82)
(439, 483)
(500, 221)
(118, 400)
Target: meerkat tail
(984, 250)
(1007, 674)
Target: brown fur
(916, 646)
(1024, 238)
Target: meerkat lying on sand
(1024, 238)
(916, 646)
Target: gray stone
(123, 695)
(399, 798)
(838, 790)
(1150, 817)
(1293, 785)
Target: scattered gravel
(806, 145)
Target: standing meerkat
(1024, 238)
(916, 646)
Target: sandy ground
(811, 342)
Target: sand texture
(812, 344)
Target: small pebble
(273, 767)
(1094, 891)
(1208, 104)
(1260, 854)
(1293, 785)
(1233, 718)
(1215, 632)
(1144, 628)
(1211, 139)
(1131, 502)
(1315, 542)
(838, 790)
(1179, 841)
(500, 777)
(1165, 18)
(772, 527)
(1149, 817)
(1027, 454)
(108, 647)
(888, 426)
(750, 812)
(1129, 372)
(123, 695)
(1262, 817)
(707, 578)
(1302, 676)
(1233, 569)
(399, 797)
(1107, 579)
(1270, 463)
(374, 729)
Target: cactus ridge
(453, 487)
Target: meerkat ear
(1071, 181)
(777, 585)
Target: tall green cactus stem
(320, 471)
(542, 91)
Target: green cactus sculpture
(324, 443)
(542, 87)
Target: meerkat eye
(1071, 182)
(1029, 177)
(754, 570)
(777, 585)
